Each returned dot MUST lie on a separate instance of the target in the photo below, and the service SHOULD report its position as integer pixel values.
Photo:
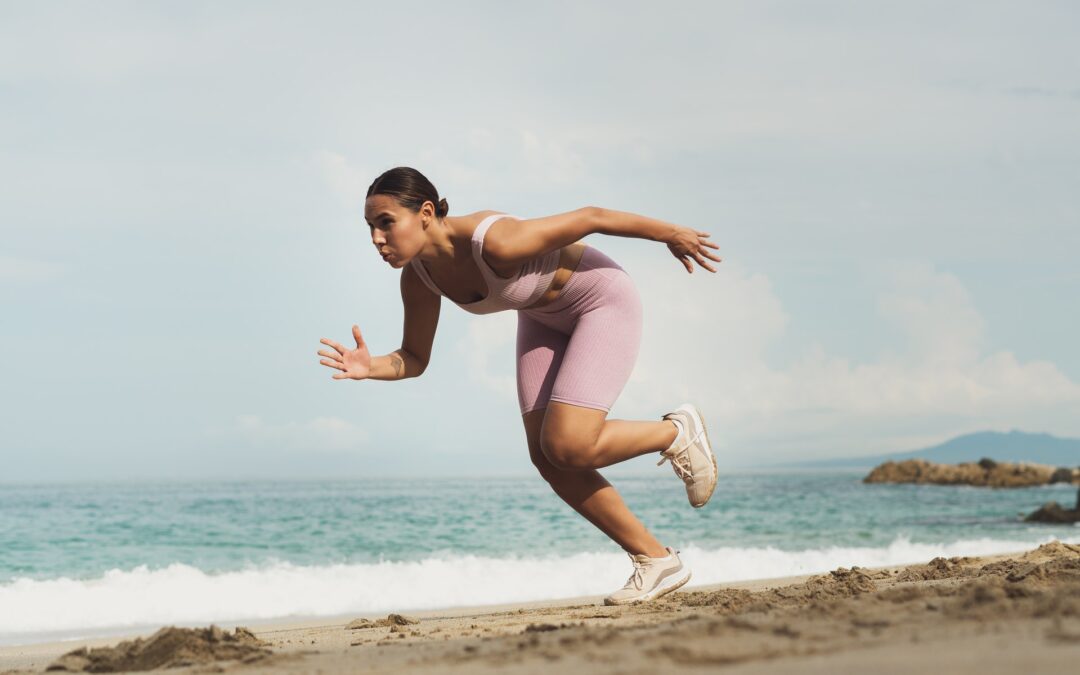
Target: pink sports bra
(517, 292)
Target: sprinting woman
(579, 327)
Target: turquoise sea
(94, 559)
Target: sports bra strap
(478, 243)
(482, 228)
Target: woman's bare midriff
(569, 257)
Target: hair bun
(443, 208)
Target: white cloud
(943, 382)
(935, 312)
(318, 434)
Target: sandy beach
(993, 614)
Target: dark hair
(410, 188)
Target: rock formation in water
(985, 472)
(1052, 512)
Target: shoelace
(681, 463)
(680, 459)
(637, 579)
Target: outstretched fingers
(703, 250)
(329, 354)
(336, 346)
(333, 360)
(698, 258)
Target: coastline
(575, 630)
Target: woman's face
(397, 233)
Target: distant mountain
(1014, 446)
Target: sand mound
(840, 583)
(1054, 549)
(938, 568)
(391, 620)
(170, 647)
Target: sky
(892, 186)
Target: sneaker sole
(655, 593)
(712, 455)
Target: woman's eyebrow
(384, 213)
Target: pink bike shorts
(581, 348)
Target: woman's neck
(441, 249)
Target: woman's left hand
(686, 243)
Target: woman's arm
(623, 224)
(421, 319)
(510, 241)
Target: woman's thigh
(540, 351)
(603, 347)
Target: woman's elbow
(414, 365)
(595, 217)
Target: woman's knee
(548, 471)
(567, 453)
(534, 423)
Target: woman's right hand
(685, 243)
(354, 364)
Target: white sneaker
(691, 454)
(652, 578)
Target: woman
(579, 326)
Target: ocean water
(81, 560)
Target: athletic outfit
(578, 349)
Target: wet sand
(992, 614)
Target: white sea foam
(35, 610)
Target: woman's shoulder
(465, 224)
